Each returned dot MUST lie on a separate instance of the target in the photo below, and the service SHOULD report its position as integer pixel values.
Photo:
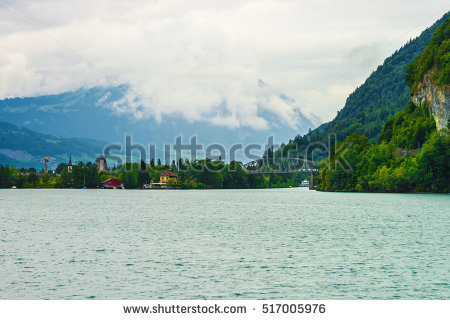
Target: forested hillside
(436, 57)
(395, 164)
(411, 154)
(381, 96)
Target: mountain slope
(412, 155)
(25, 148)
(383, 94)
(429, 76)
(436, 58)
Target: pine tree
(143, 176)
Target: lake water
(223, 244)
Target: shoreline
(145, 189)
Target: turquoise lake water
(223, 244)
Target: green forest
(391, 165)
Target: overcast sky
(189, 57)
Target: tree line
(198, 174)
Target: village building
(165, 179)
(69, 165)
(112, 183)
(168, 176)
(101, 163)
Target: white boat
(305, 183)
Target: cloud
(366, 56)
(202, 59)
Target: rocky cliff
(437, 97)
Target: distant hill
(21, 147)
(383, 94)
(89, 113)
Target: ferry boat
(305, 183)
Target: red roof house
(111, 183)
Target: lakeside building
(164, 179)
(112, 183)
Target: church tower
(69, 165)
